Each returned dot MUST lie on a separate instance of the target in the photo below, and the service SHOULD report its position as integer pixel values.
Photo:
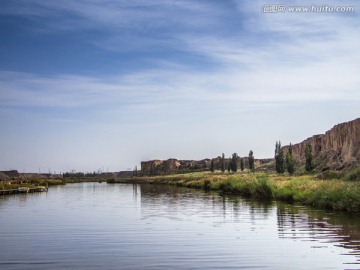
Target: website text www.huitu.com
(271, 8)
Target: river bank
(36, 182)
(150, 227)
(335, 194)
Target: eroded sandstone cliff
(163, 167)
(337, 149)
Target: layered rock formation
(163, 167)
(337, 149)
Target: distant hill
(4, 177)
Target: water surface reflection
(324, 229)
(103, 226)
(321, 227)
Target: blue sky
(90, 85)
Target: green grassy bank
(35, 182)
(336, 194)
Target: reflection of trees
(293, 221)
(255, 208)
(172, 199)
(341, 229)
(135, 191)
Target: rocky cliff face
(163, 167)
(337, 149)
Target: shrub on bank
(353, 176)
(259, 187)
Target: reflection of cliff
(337, 148)
(306, 224)
(164, 201)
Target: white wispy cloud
(114, 15)
(222, 71)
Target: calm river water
(121, 226)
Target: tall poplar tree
(279, 158)
(223, 163)
(251, 161)
(309, 164)
(233, 163)
(290, 162)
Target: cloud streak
(186, 65)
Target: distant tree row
(282, 162)
(232, 166)
(74, 174)
(287, 162)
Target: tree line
(287, 162)
(282, 162)
(74, 174)
(232, 165)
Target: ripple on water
(100, 226)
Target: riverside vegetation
(36, 182)
(330, 190)
(335, 192)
